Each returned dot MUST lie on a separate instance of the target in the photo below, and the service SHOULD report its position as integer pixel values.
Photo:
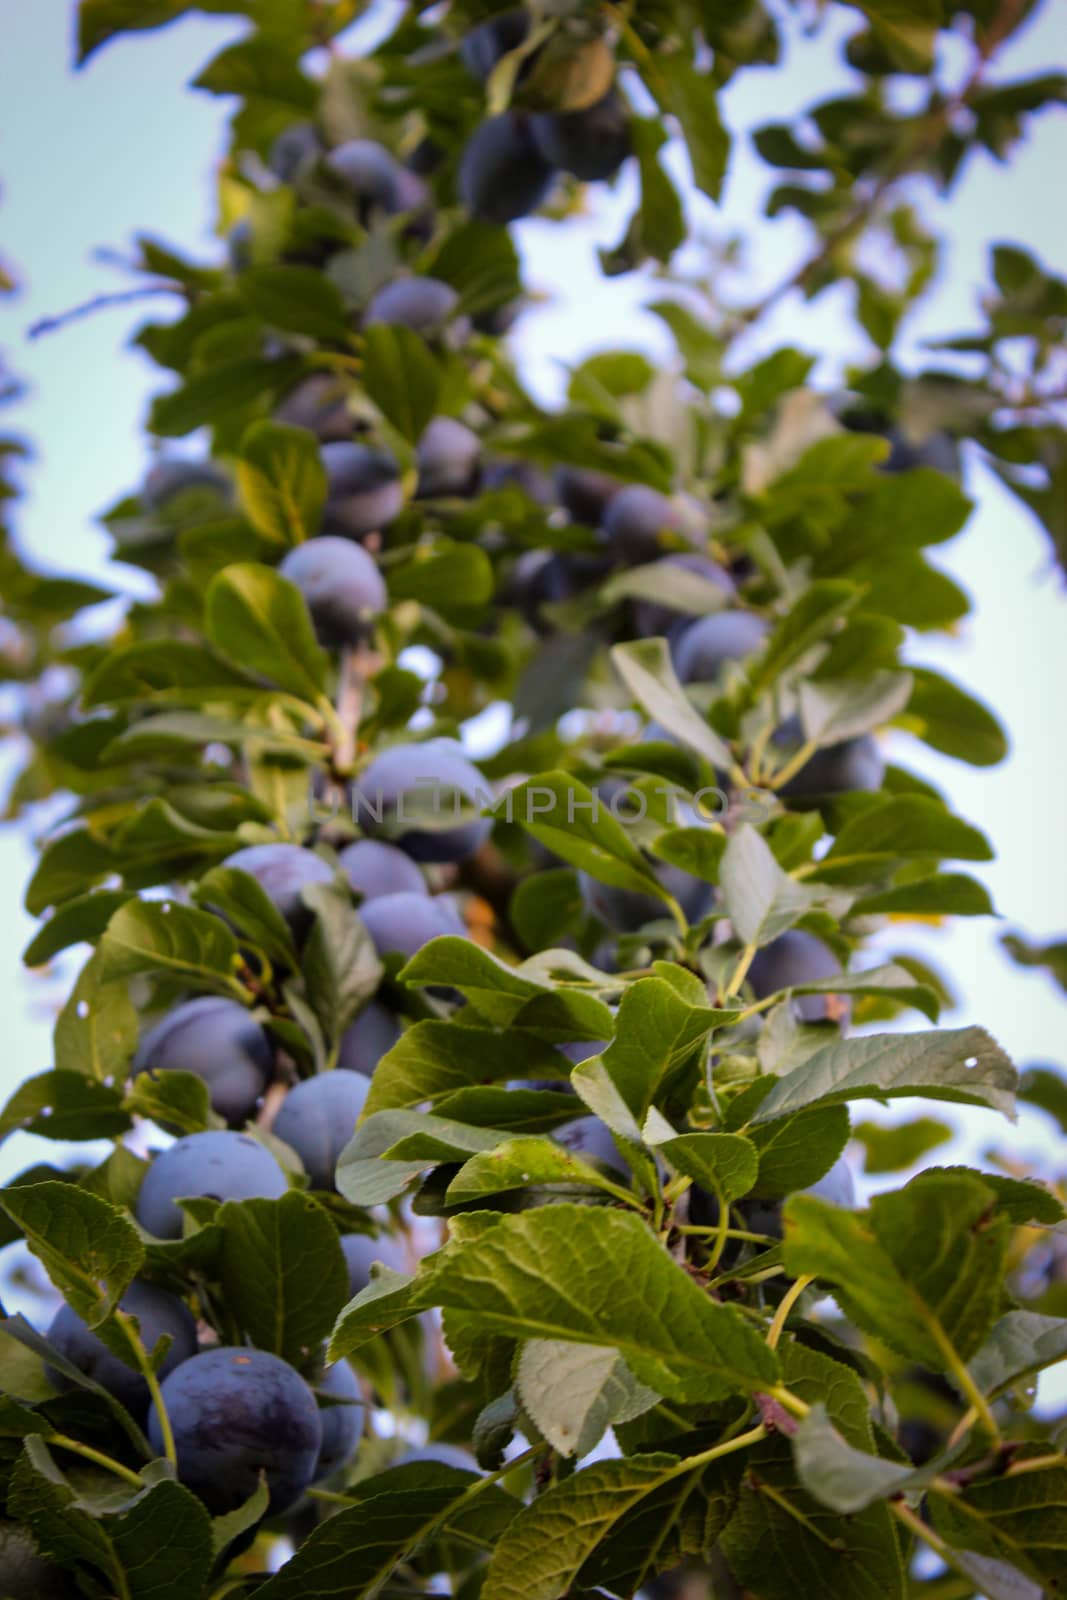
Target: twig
(100, 302)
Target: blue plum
(584, 494)
(221, 1043)
(282, 872)
(655, 617)
(157, 1312)
(238, 1413)
(294, 151)
(624, 910)
(416, 781)
(318, 404)
(366, 1041)
(171, 476)
(502, 174)
(318, 1117)
(342, 1424)
(342, 586)
(361, 1252)
(447, 458)
(374, 868)
(492, 40)
(426, 305)
(590, 1138)
(854, 764)
(364, 492)
(592, 144)
(798, 957)
(638, 518)
(709, 643)
(219, 1166)
(402, 923)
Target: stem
(741, 1442)
(740, 972)
(967, 1385)
(349, 707)
(721, 1233)
(62, 1441)
(1035, 1464)
(785, 1306)
(795, 764)
(915, 1525)
(132, 1330)
(789, 1401)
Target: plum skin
(361, 1252)
(157, 1312)
(221, 1043)
(342, 1425)
(374, 868)
(447, 458)
(282, 871)
(364, 492)
(318, 1117)
(709, 643)
(624, 910)
(342, 586)
(591, 144)
(422, 304)
(236, 1413)
(798, 957)
(415, 770)
(655, 617)
(636, 519)
(403, 923)
(365, 1041)
(502, 174)
(219, 1166)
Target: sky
(89, 159)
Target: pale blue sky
(88, 159)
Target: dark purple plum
(318, 404)
(219, 1041)
(236, 1414)
(217, 1166)
(171, 476)
(653, 618)
(367, 1040)
(492, 40)
(157, 1312)
(364, 492)
(502, 174)
(294, 151)
(503, 474)
(423, 781)
(591, 1139)
(637, 519)
(584, 494)
(318, 1117)
(798, 957)
(283, 871)
(374, 868)
(626, 910)
(426, 305)
(854, 764)
(342, 1424)
(447, 458)
(591, 144)
(342, 586)
(709, 643)
(403, 923)
(361, 1252)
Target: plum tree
(221, 1043)
(797, 957)
(283, 871)
(447, 458)
(295, 149)
(342, 1422)
(625, 910)
(373, 867)
(318, 404)
(706, 645)
(854, 764)
(424, 304)
(638, 519)
(403, 923)
(532, 480)
(423, 783)
(760, 1215)
(585, 494)
(342, 586)
(364, 489)
(365, 1041)
(318, 1117)
(655, 617)
(502, 173)
(490, 41)
(361, 1252)
(216, 1166)
(159, 1314)
(238, 1413)
(376, 178)
(172, 476)
(591, 144)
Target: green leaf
(165, 937)
(76, 921)
(837, 1474)
(1021, 1520)
(402, 378)
(505, 995)
(700, 348)
(691, 96)
(432, 1059)
(1021, 1344)
(646, 669)
(256, 617)
(666, 583)
(944, 894)
(69, 866)
(481, 262)
(410, 1141)
(220, 389)
(657, 1032)
(949, 719)
(812, 617)
(297, 300)
(592, 1276)
(340, 964)
(96, 1031)
(64, 1105)
(922, 1269)
(1040, 1086)
(245, 904)
(796, 1151)
(1052, 956)
(282, 482)
(832, 710)
(963, 1065)
(177, 1101)
(896, 1148)
(698, 851)
(455, 580)
(282, 1273)
(580, 828)
(260, 67)
(156, 1546)
(894, 982)
(904, 827)
(518, 1163)
(575, 1392)
(89, 1249)
(761, 900)
(383, 1304)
